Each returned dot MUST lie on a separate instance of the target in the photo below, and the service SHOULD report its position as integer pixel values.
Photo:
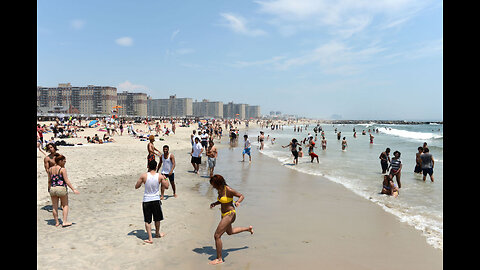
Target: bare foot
(250, 229)
(175, 195)
(216, 261)
(66, 224)
(159, 235)
(148, 241)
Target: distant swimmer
(344, 143)
(324, 143)
(371, 138)
(293, 147)
(396, 167)
(339, 134)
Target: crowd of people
(202, 141)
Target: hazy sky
(360, 59)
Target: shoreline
(109, 226)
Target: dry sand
(336, 230)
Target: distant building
(133, 104)
(79, 100)
(172, 107)
(209, 109)
(252, 112)
(234, 111)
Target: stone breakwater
(396, 122)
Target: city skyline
(318, 59)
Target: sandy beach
(316, 224)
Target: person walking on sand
(212, 154)
(225, 199)
(247, 147)
(384, 160)
(293, 147)
(151, 204)
(427, 164)
(396, 168)
(196, 154)
(168, 170)
(57, 187)
(151, 149)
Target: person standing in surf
(384, 160)
(344, 144)
(396, 168)
(427, 164)
(418, 161)
(293, 147)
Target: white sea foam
(411, 134)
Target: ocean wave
(411, 134)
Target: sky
(342, 59)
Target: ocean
(419, 204)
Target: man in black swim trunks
(384, 160)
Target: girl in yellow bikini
(225, 199)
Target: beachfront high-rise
(132, 103)
(206, 108)
(252, 112)
(80, 100)
(100, 101)
(172, 107)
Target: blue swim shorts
(246, 151)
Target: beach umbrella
(117, 107)
(92, 123)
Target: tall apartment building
(207, 108)
(234, 111)
(82, 100)
(172, 107)
(252, 112)
(134, 104)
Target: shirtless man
(151, 150)
(49, 161)
(211, 157)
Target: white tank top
(152, 188)
(166, 165)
